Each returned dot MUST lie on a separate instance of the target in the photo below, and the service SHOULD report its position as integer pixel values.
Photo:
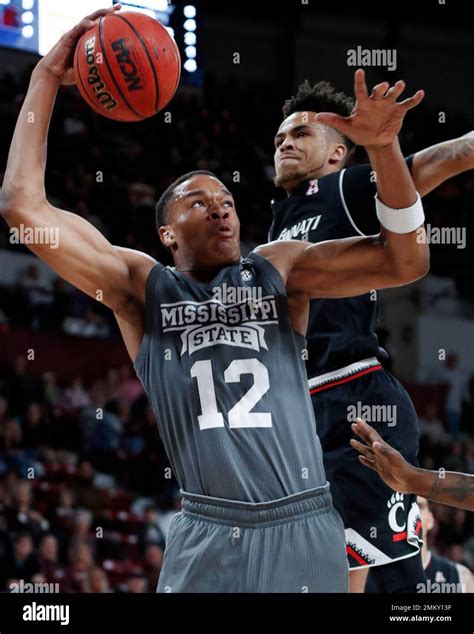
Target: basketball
(127, 66)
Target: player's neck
(201, 274)
(292, 186)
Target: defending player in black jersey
(324, 200)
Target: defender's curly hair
(322, 97)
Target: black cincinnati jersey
(339, 205)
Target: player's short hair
(321, 97)
(162, 206)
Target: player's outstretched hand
(58, 61)
(377, 118)
(378, 455)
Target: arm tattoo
(460, 486)
(454, 150)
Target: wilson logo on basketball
(126, 65)
(95, 80)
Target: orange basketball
(127, 66)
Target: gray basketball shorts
(293, 544)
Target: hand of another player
(376, 119)
(59, 60)
(378, 455)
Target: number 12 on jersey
(240, 415)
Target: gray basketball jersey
(224, 372)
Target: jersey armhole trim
(343, 200)
(145, 342)
(280, 287)
(272, 271)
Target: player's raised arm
(83, 256)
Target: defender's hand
(59, 60)
(378, 455)
(377, 119)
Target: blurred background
(85, 501)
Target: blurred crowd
(86, 493)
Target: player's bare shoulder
(283, 254)
(139, 265)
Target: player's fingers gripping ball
(127, 66)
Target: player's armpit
(79, 253)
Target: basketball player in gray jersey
(218, 341)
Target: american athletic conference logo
(209, 323)
(313, 187)
(404, 528)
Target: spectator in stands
(51, 390)
(152, 565)
(22, 562)
(38, 294)
(431, 428)
(80, 563)
(11, 435)
(21, 516)
(3, 410)
(65, 507)
(150, 532)
(456, 458)
(86, 493)
(96, 581)
(35, 427)
(112, 382)
(136, 583)
(130, 387)
(82, 529)
(457, 380)
(75, 396)
(22, 388)
(90, 325)
(101, 428)
(49, 564)
(164, 518)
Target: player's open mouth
(225, 231)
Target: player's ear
(166, 236)
(337, 154)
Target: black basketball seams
(102, 45)
(153, 69)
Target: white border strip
(342, 373)
(349, 217)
